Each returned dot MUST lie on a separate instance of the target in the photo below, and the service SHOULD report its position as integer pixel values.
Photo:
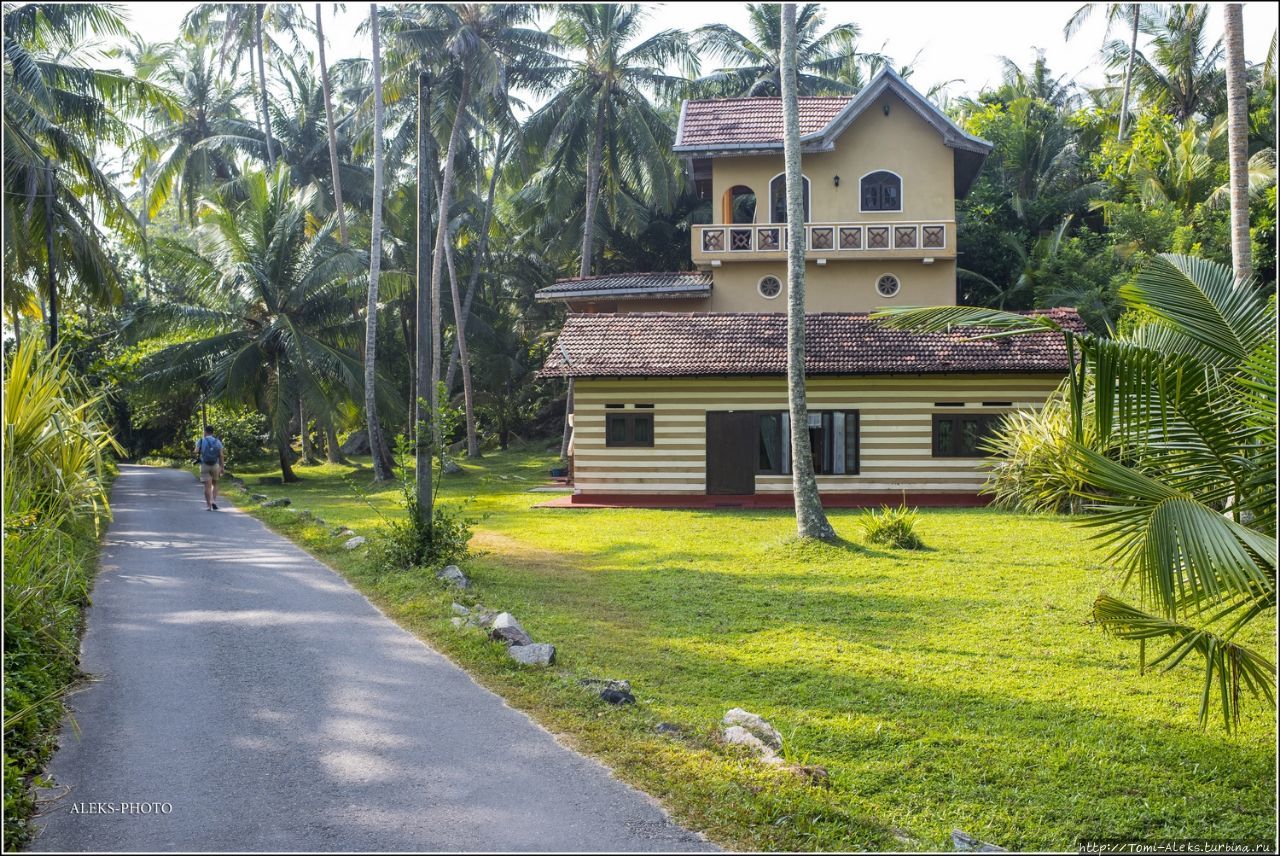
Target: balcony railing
(834, 240)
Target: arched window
(881, 191)
(739, 205)
(778, 199)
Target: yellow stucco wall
(900, 142)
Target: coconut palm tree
(601, 106)
(1238, 141)
(1188, 392)
(811, 520)
(1131, 14)
(381, 472)
(330, 130)
(58, 203)
(1179, 72)
(275, 325)
(755, 58)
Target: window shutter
(837, 443)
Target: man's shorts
(209, 472)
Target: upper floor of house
(882, 172)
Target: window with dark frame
(628, 429)
(833, 437)
(960, 435)
(881, 191)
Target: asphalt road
(247, 698)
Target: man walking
(212, 465)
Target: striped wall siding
(896, 429)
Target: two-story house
(680, 378)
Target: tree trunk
(442, 237)
(422, 432)
(1238, 142)
(1128, 71)
(460, 334)
(811, 520)
(333, 134)
(332, 451)
(381, 472)
(51, 256)
(286, 472)
(593, 188)
(481, 255)
(304, 436)
(259, 8)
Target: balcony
(880, 240)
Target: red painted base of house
(762, 500)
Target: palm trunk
(442, 237)
(593, 189)
(481, 254)
(1238, 143)
(381, 472)
(460, 334)
(333, 134)
(422, 455)
(262, 78)
(304, 436)
(332, 451)
(1128, 71)
(287, 474)
(51, 257)
(811, 520)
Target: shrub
(894, 527)
(404, 543)
(55, 495)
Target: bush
(404, 543)
(240, 429)
(894, 527)
(55, 495)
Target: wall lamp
(837, 181)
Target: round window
(770, 287)
(888, 286)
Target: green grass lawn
(960, 687)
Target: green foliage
(893, 527)
(55, 496)
(241, 430)
(1030, 467)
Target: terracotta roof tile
(623, 285)
(668, 344)
(734, 121)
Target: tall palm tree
(811, 520)
(601, 104)
(175, 156)
(1188, 391)
(1130, 13)
(275, 323)
(330, 130)
(381, 472)
(756, 57)
(57, 112)
(1238, 141)
(1179, 73)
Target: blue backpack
(209, 448)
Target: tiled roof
(667, 344)
(734, 121)
(630, 285)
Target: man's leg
(208, 492)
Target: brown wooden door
(732, 440)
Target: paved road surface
(272, 707)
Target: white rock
(758, 726)
(459, 609)
(454, 575)
(353, 543)
(458, 622)
(537, 654)
(738, 736)
(505, 628)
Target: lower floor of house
(702, 441)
